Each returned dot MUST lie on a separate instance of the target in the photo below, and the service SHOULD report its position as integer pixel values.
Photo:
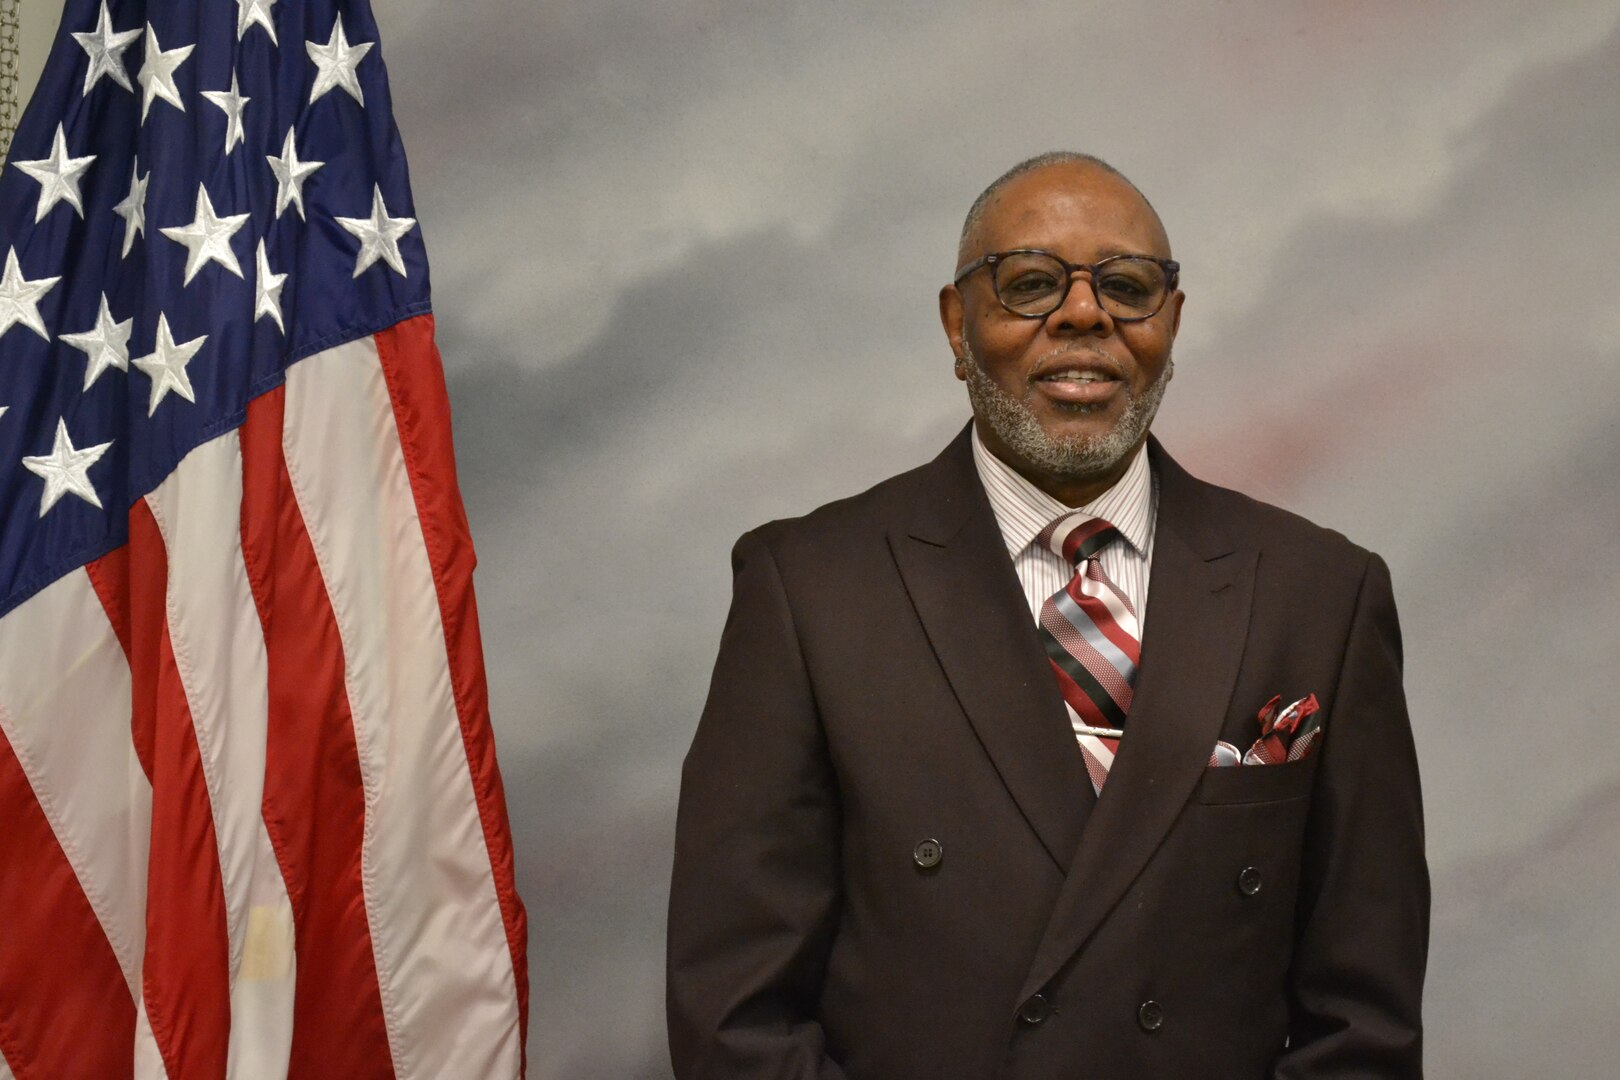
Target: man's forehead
(1069, 195)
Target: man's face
(1066, 398)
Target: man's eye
(1030, 285)
(1125, 288)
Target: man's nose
(1080, 313)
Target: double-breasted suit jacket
(880, 685)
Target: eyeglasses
(1033, 283)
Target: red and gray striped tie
(1092, 640)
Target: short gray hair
(1039, 161)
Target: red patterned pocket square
(1289, 734)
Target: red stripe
(314, 801)
(415, 376)
(65, 1008)
(1082, 533)
(109, 576)
(1098, 613)
(1078, 699)
(187, 969)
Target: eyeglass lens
(1035, 284)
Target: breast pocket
(1235, 784)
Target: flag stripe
(415, 377)
(313, 799)
(219, 652)
(186, 977)
(55, 961)
(148, 1056)
(109, 576)
(141, 618)
(71, 736)
(444, 971)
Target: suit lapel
(1198, 615)
(966, 593)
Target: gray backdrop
(685, 261)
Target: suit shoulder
(1284, 533)
(846, 524)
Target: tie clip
(1099, 732)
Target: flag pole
(10, 21)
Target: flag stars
(251, 12)
(335, 64)
(208, 237)
(105, 48)
(105, 345)
(58, 176)
(19, 298)
(157, 73)
(133, 208)
(378, 235)
(267, 289)
(290, 175)
(231, 102)
(65, 469)
(166, 365)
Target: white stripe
(443, 965)
(65, 709)
(148, 1059)
(219, 651)
(1099, 750)
(5, 1068)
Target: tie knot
(1077, 536)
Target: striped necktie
(1092, 640)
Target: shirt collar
(1022, 510)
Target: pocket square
(1289, 734)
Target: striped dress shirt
(1022, 510)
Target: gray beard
(1079, 457)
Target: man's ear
(950, 317)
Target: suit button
(1150, 1016)
(1034, 1011)
(1248, 882)
(927, 854)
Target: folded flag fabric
(252, 819)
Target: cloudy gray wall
(685, 260)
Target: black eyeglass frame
(1171, 268)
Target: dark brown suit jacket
(880, 683)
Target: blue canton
(278, 222)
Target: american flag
(251, 822)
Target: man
(996, 778)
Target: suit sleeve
(754, 896)
(1356, 984)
